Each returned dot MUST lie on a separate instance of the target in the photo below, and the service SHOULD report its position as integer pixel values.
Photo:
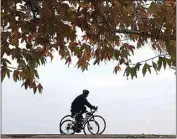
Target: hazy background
(142, 105)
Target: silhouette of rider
(79, 103)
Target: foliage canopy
(33, 29)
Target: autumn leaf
(3, 74)
(87, 56)
(36, 73)
(68, 61)
(115, 3)
(50, 55)
(33, 85)
(116, 69)
(4, 61)
(85, 38)
(145, 68)
(155, 66)
(122, 61)
(16, 75)
(160, 63)
(40, 88)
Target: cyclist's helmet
(85, 92)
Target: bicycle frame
(87, 118)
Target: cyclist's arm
(88, 104)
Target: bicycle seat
(88, 113)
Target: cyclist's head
(85, 92)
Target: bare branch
(13, 68)
(149, 59)
(143, 34)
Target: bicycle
(89, 119)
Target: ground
(86, 136)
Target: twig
(36, 80)
(149, 59)
(143, 34)
(13, 68)
(105, 18)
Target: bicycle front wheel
(92, 126)
(101, 121)
(67, 127)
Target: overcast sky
(142, 105)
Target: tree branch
(143, 34)
(13, 68)
(125, 31)
(149, 59)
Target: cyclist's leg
(76, 116)
(73, 113)
(80, 115)
(84, 110)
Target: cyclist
(78, 105)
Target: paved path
(80, 136)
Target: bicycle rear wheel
(92, 126)
(67, 127)
(101, 121)
(67, 117)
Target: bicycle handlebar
(94, 110)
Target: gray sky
(142, 105)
